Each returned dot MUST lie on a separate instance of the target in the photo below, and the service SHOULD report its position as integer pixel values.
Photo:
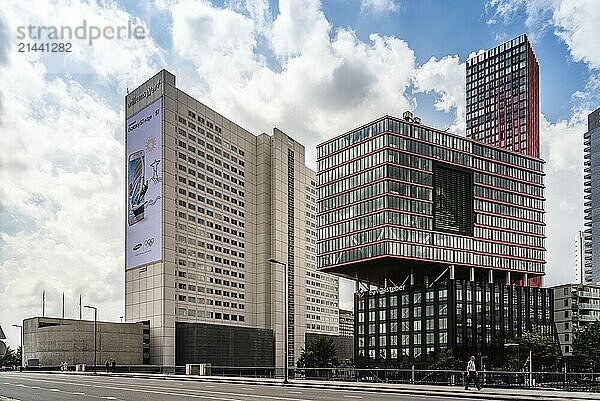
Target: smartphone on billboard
(137, 187)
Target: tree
(586, 347)
(12, 357)
(445, 360)
(320, 352)
(545, 350)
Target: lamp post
(285, 318)
(95, 325)
(22, 353)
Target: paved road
(53, 387)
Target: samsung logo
(147, 93)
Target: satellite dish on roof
(2, 336)
(2, 349)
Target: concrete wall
(54, 340)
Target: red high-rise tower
(503, 97)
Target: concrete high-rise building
(580, 270)
(503, 97)
(591, 189)
(209, 203)
(575, 307)
(450, 230)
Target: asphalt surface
(53, 387)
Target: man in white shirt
(472, 374)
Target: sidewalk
(454, 392)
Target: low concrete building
(55, 340)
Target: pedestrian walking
(107, 365)
(114, 366)
(472, 374)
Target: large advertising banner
(143, 232)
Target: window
(452, 199)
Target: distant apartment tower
(580, 276)
(503, 97)
(591, 189)
(208, 204)
(575, 307)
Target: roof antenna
(127, 90)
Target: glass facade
(398, 327)
(396, 189)
(503, 97)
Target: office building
(591, 189)
(451, 230)
(346, 323)
(503, 97)
(575, 307)
(208, 204)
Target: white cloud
(577, 24)
(378, 6)
(322, 81)
(562, 148)
(445, 77)
(61, 164)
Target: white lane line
(55, 390)
(295, 392)
(208, 394)
(352, 396)
(109, 398)
(77, 393)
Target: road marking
(352, 396)
(55, 390)
(207, 395)
(109, 398)
(76, 393)
(295, 392)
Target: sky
(313, 69)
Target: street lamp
(95, 324)
(285, 318)
(22, 353)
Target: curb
(458, 394)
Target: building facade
(346, 323)
(453, 224)
(54, 341)
(580, 270)
(503, 97)
(575, 306)
(228, 202)
(591, 189)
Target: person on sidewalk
(472, 373)
(114, 366)
(107, 365)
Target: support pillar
(412, 277)
(471, 274)
(491, 276)
(508, 279)
(451, 272)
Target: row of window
(427, 238)
(209, 315)
(379, 157)
(421, 251)
(327, 159)
(507, 210)
(505, 183)
(373, 190)
(355, 219)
